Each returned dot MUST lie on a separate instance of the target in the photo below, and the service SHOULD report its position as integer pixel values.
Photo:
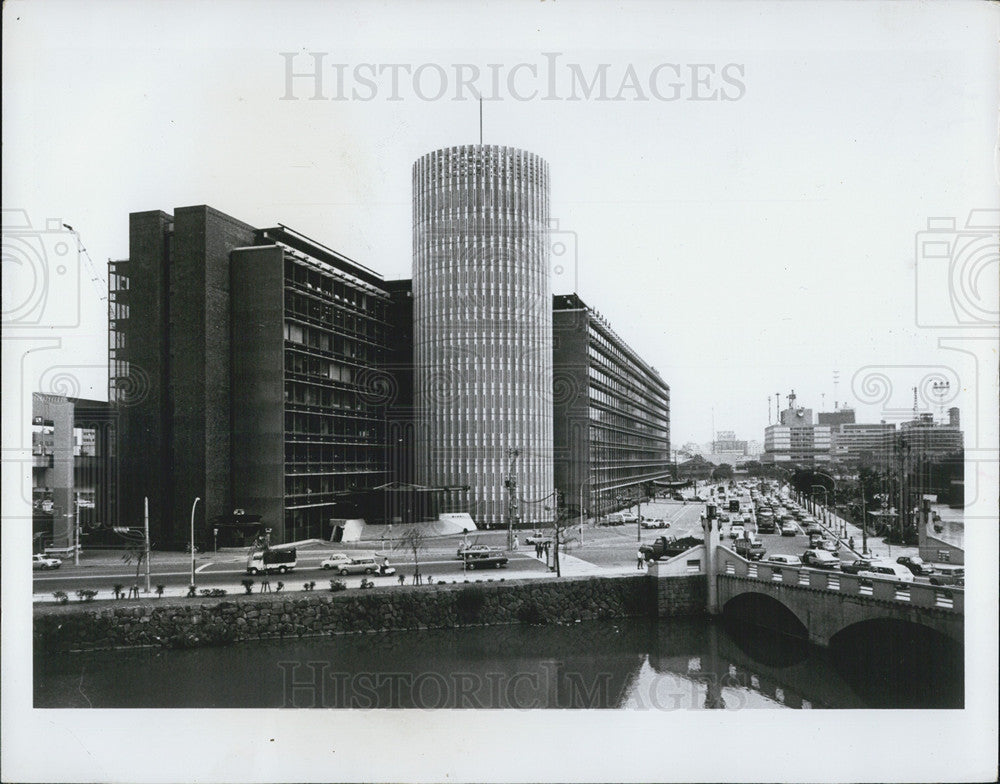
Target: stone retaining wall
(681, 595)
(197, 622)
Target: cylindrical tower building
(482, 322)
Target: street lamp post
(193, 505)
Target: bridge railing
(914, 594)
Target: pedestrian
(516, 542)
(639, 560)
(402, 578)
(538, 550)
(850, 542)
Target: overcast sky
(744, 245)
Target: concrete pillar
(711, 528)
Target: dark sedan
(916, 564)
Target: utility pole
(864, 522)
(558, 504)
(146, 518)
(511, 484)
(76, 528)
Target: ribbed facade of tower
(483, 327)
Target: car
(830, 545)
(361, 565)
(39, 561)
(736, 531)
(537, 538)
(750, 549)
(477, 548)
(483, 559)
(948, 576)
(812, 528)
(779, 559)
(916, 564)
(333, 560)
(858, 565)
(723, 517)
(655, 522)
(820, 559)
(789, 529)
(888, 571)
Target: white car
(887, 571)
(334, 560)
(736, 531)
(783, 560)
(39, 561)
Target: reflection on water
(631, 664)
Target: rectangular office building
(611, 422)
(240, 360)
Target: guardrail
(913, 594)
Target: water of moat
(628, 664)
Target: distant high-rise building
(796, 439)
(482, 325)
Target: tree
(413, 539)
(136, 552)
(722, 472)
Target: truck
(271, 560)
(668, 547)
(765, 522)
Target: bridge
(825, 602)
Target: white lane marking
(201, 568)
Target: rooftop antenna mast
(836, 385)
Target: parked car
(655, 522)
(888, 571)
(333, 560)
(39, 561)
(820, 559)
(537, 538)
(949, 576)
(779, 559)
(789, 529)
(916, 564)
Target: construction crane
(97, 280)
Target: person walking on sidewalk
(639, 560)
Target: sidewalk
(877, 548)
